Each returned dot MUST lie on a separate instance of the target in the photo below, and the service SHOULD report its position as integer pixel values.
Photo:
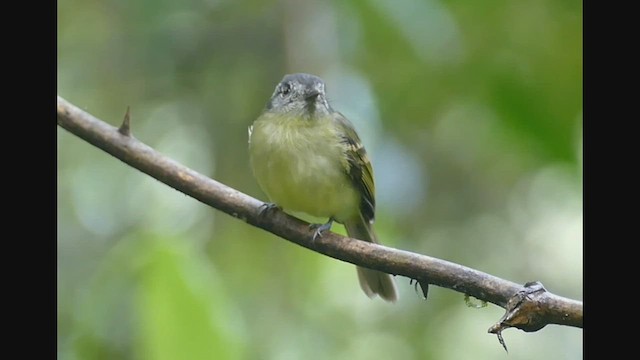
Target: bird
(308, 157)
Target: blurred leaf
(157, 298)
(183, 310)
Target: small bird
(308, 158)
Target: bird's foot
(320, 228)
(266, 207)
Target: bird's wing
(358, 167)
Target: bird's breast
(299, 165)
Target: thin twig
(532, 312)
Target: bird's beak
(311, 95)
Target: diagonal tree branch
(529, 307)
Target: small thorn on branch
(501, 340)
(125, 128)
(424, 286)
(524, 311)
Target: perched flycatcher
(308, 158)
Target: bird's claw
(266, 207)
(320, 228)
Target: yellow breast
(300, 165)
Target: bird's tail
(372, 282)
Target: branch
(529, 307)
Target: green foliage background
(470, 110)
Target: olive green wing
(358, 167)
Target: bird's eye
(285, 89)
